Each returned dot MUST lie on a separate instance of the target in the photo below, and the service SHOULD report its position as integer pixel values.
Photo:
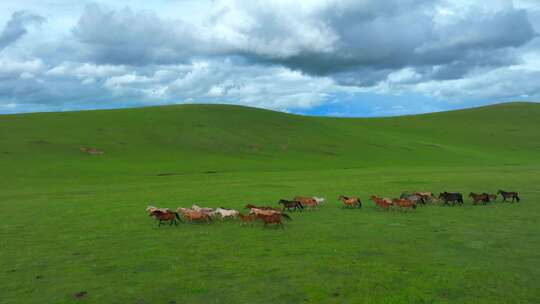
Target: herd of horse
(276, 215)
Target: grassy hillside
(200, 138)
(74, 222)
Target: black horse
(291, 205)
(451, 197)
(505, 195)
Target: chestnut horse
(505, 195)
(308, 202)
(479, 198)
(170, 216)
(244, 219)
(383, 203)
(350, 201)
(404, 203)
(194, 216)
(273, 219)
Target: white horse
(320, 200)
(225, 213)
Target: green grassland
(74, 222)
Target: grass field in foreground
(73, 222)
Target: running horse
(479, 198)
(404, 203)
(224, 213)
(194, 216)
(418, 199)
(427, 196)
(170, 216)
(244, 219)
(308, 202)
(276, 218)
(350, 201)
(505, 195)
(291, 205)
(384, 203)
(451, 197)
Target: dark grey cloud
(16, 27)
(356, 42)
(414, 38)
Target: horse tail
(286, 216)
(517, 197)
(177, 216)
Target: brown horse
(479, 198)
(170, 216)
(404, 203)
(492, 197)
(245, 219)
(350, 201)
(273, 219)
(383, 203)
(308, 202)
(194, 216)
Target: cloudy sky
(319, 57)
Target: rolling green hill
(73, 222)
(200, 138)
